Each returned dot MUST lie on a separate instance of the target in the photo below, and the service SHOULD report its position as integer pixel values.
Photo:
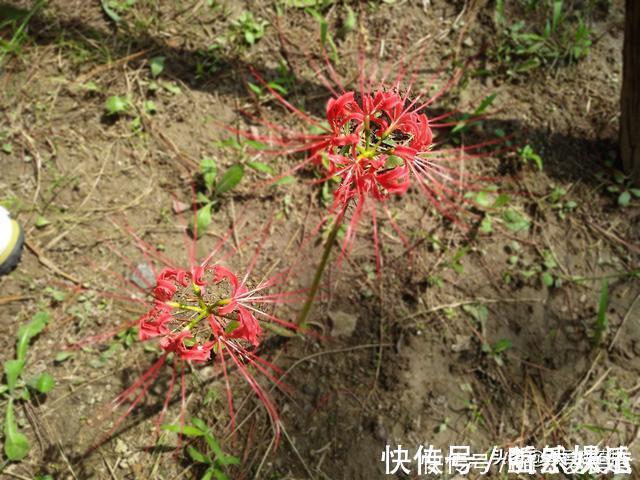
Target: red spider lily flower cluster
(205, 312)
(374, 140)
(193, 309)
(377, 142)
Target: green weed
(622, 187)
(528, 155)
(602, 324)
(214, 186)
(16, 389)
(16, 21)
(212, 458)
(565, 38)
(558, 203)
(248, 28)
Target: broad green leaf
(557, 12)
(16, 445)
(486, 225)
(619, 177)
(197, 456)
(547, 279)
(286, 180)
(219, 474)
(230, 178)
(203, 219)
(261, 167)
(202, 198)
(23, 394)
(527, 65)
(229, 143)
(254, 88)
(527, 153)
(27, 332)
(537, 159)
(460, 253)
(189, 342)
(532, 38)
(13, 369)
(483, 199)
(214, 446)
(41, 222)
(43, 383)
(150, 107)
(498, 15)
(549, 260)
(90, 87)
(171, 88)
(464, 124)
(156, 64)
(277, 87)
(57, 295)
(478, 312)
(116, 105)
(486, 103)
(208, 475)
(209, 171)
(501, 200)
(187, 430)
(461, 125)
(198, 423)
(393, 161)
(110, 12)
(62, 356)
(231, 326)
(136, 124)
(624, 199)
(515, 221)
(349, 23)
(501, 345)
(257, 145)
(220, 457)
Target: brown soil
(415, 369)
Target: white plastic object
(6, 229)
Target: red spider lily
(377, 140)
(203, 313)
(196, 308)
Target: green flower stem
(182, 306)
(367, 130)
(198, 319)
(331, 240)
(198, 292)
(203, 310)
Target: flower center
(192, 299)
